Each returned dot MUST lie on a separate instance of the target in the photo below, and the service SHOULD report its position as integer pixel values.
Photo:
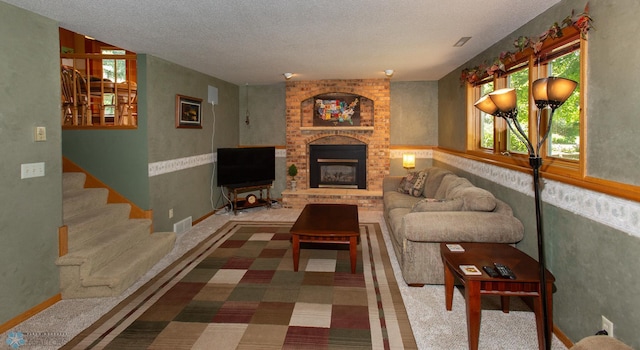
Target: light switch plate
(41, 133)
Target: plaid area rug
(237, 290)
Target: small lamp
(408, 160)
(287, 76)
(388, 72)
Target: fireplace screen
(338, 166)
(338, 173)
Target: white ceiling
(255, 41)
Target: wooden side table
(526, 284)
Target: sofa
(600, 342)
(434, 205)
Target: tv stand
(242, 203)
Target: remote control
(505, 271)
(491, 271)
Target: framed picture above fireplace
(337, 109)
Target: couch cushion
(434, 177)
(447, 181)
(477, 199)
(594, 342)
(432, 204)
(455, 186)
(395, 199)
(395, 217)
(413, 183)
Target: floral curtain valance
(582, 22)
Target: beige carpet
(433, 326)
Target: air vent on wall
(182, 225)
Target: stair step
(117, 275)
(85, 225)
(108, 251)
(108, 245)
(76, 201)
(73, 181)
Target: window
(114, 70)
(562, 58)
(519, 80)
(486, 120)
(564, 139)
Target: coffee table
(327, 223)
(526, 284)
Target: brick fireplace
(370, 130)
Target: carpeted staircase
(107, 251)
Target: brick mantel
(299, 134)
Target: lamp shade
(486, 105)
(408, 160)
(539, 92)
(559, 89)
(504, 99)
(552, 91)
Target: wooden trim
(618, 189)
(473, 117)
(569, 34)
(257, 146)
(201, 219)
(99, 127)
(584, 123)
(63, 240)
(29, 313)
(411, 147)
(562, 337)
(114, 196)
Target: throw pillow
(432, 204)
(413, 183)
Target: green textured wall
(187, 191)
(267, 122)
(116, 157)
(452, 122)
(594, 264)
(30, 209)
(414, 113)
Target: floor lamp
(548, 93)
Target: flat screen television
(244, 167)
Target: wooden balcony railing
(91, 101)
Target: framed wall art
(336, 109)
(188, 112)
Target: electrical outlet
(607, 326)
(170, 213)
(31, 170)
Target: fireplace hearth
(338, 166)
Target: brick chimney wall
(375, 135)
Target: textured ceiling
(255, 41)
